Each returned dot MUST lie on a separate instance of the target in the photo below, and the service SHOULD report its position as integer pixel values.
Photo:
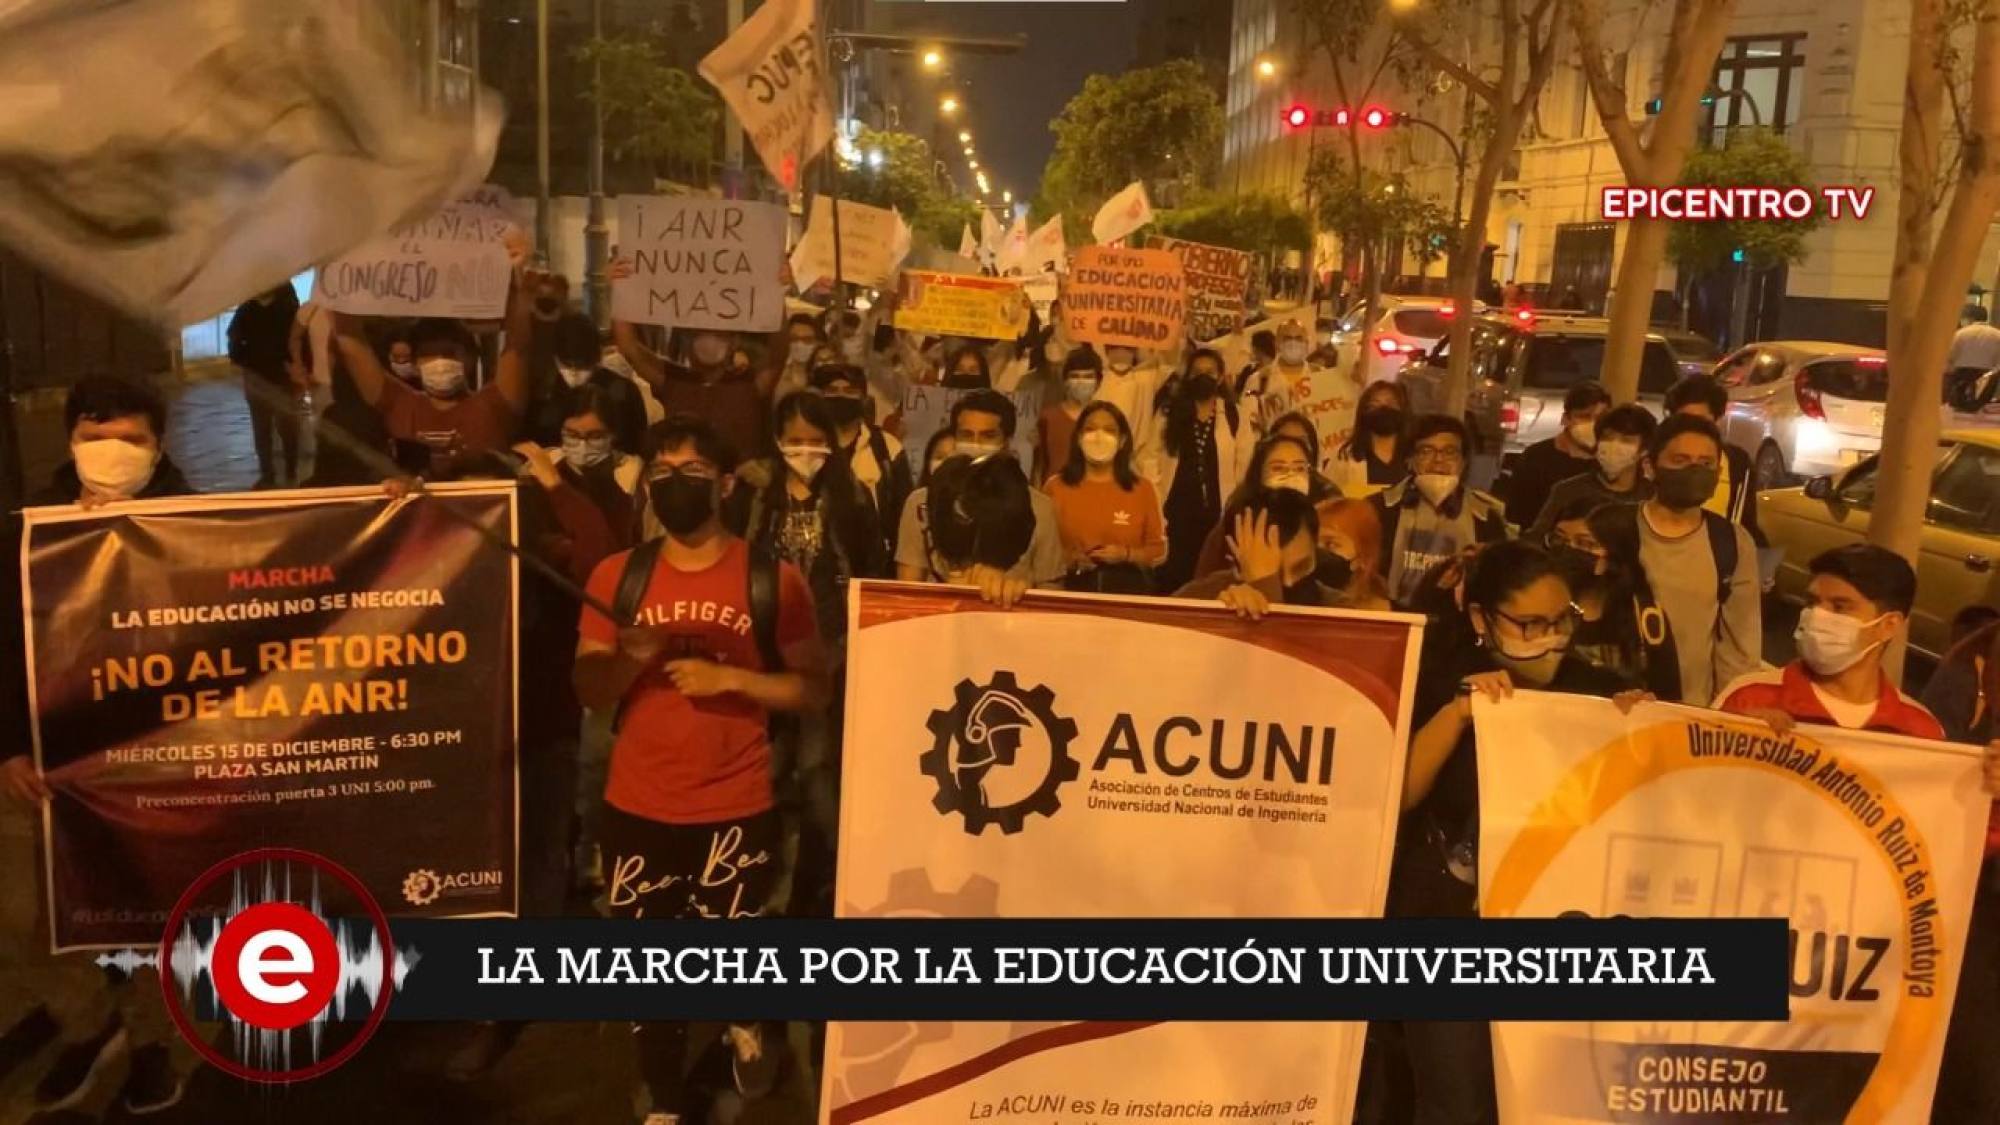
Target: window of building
(1757, 81)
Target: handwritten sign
(452, 264)
(873, 242)
(1217, 279)
(701, 263)
(770, 75)
(956, 304)
(1137, 298)
(927, 409)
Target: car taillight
(1447, 309)
(1387, 346)
(1510, 415)
(1809, 403)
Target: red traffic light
(1297, 116)
(1343, 116)
(1375, 117)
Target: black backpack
(638, 574)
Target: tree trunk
(1919, 149)
(1930, 279)
(1465, 267)
(1631, 310)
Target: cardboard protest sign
(769, 73)
(701, 263)
(873, 241)
(1122, 214)
(956, 304)
(1217, 279)
(1137, 298)
(926, 409)
(452, 264)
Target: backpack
(1658, 651)
(638, 574)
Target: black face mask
(682, 503)
(1303, 592)
(1382, 420)
(1333, 571)
(1201, 388)
(843, 410)
(1686, 487)
(1577, 566)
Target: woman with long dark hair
(1283, 460)
(1108, 514)
(1203, 449)
(1377, 453)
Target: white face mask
(118, 469)
(977, 450)
(802, 351)
(853, 348)
(1295, 480)
(1829, 642)
(407, 372)
(1119, 362)
(710, 351)
(443, 378)
(1583, 435)
(1292, 351)
(1098, 447)
(1081, 390)
(575, 376)
(1616, 457)
(805, 460)
(1437, 487)
(584, 453)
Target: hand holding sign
(701, 263)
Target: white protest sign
(769, 73)
(452, 264)
(1869, 844)
(927, 407)
(873, 241)
(1122, 213)
(701, 263)
(1111, 802)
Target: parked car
(1696, 353)
(1804, 408)
(1959, 561)
(1404, 327)
(1522, 366)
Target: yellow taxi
(1959, 564)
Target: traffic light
(1297, 116)
(1375, 117)
(1342, 117)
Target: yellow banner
(954, 304)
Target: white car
(1804, 408)
(1405, 328)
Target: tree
(1159, 123)
(1750, 158)
(1928, 280)
(1257, 223)
(1361, 49)
(1526, 46)
(1648, 157)
(1375, 212)
(897, 170)
(653, 110)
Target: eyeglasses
(1558, 539)
(572, 435)
(1536, 628)
(1438, 454)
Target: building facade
(1826, 76)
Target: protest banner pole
(827, 38)
(336, 434)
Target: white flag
(769, 73)
(176, 156)
(1122, 213)
(1015, 249)
(1047, 252)
(967, 248)
(991, 237)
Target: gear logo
(999, 753)
(422, 887)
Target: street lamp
(972, 164)
(932, 60)
(964, 137)
(968, 150)
(1007, 197)
(1266, 68)
(948, 105)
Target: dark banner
(325, 670)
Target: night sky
(1013, 98)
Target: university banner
(1218, 279)
(1137, 298)
(323, 670)
(1869, 844)
(958, 304)
(1094, 757)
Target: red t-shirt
(695, 761)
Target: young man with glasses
(1433, 517)
(690, 826)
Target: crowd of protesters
(694, 480)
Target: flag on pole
(967, 247)
(769, 74)
(1047, 252)
(1122, 213)
(991, 237)
(1015, 248)
(174, 157)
